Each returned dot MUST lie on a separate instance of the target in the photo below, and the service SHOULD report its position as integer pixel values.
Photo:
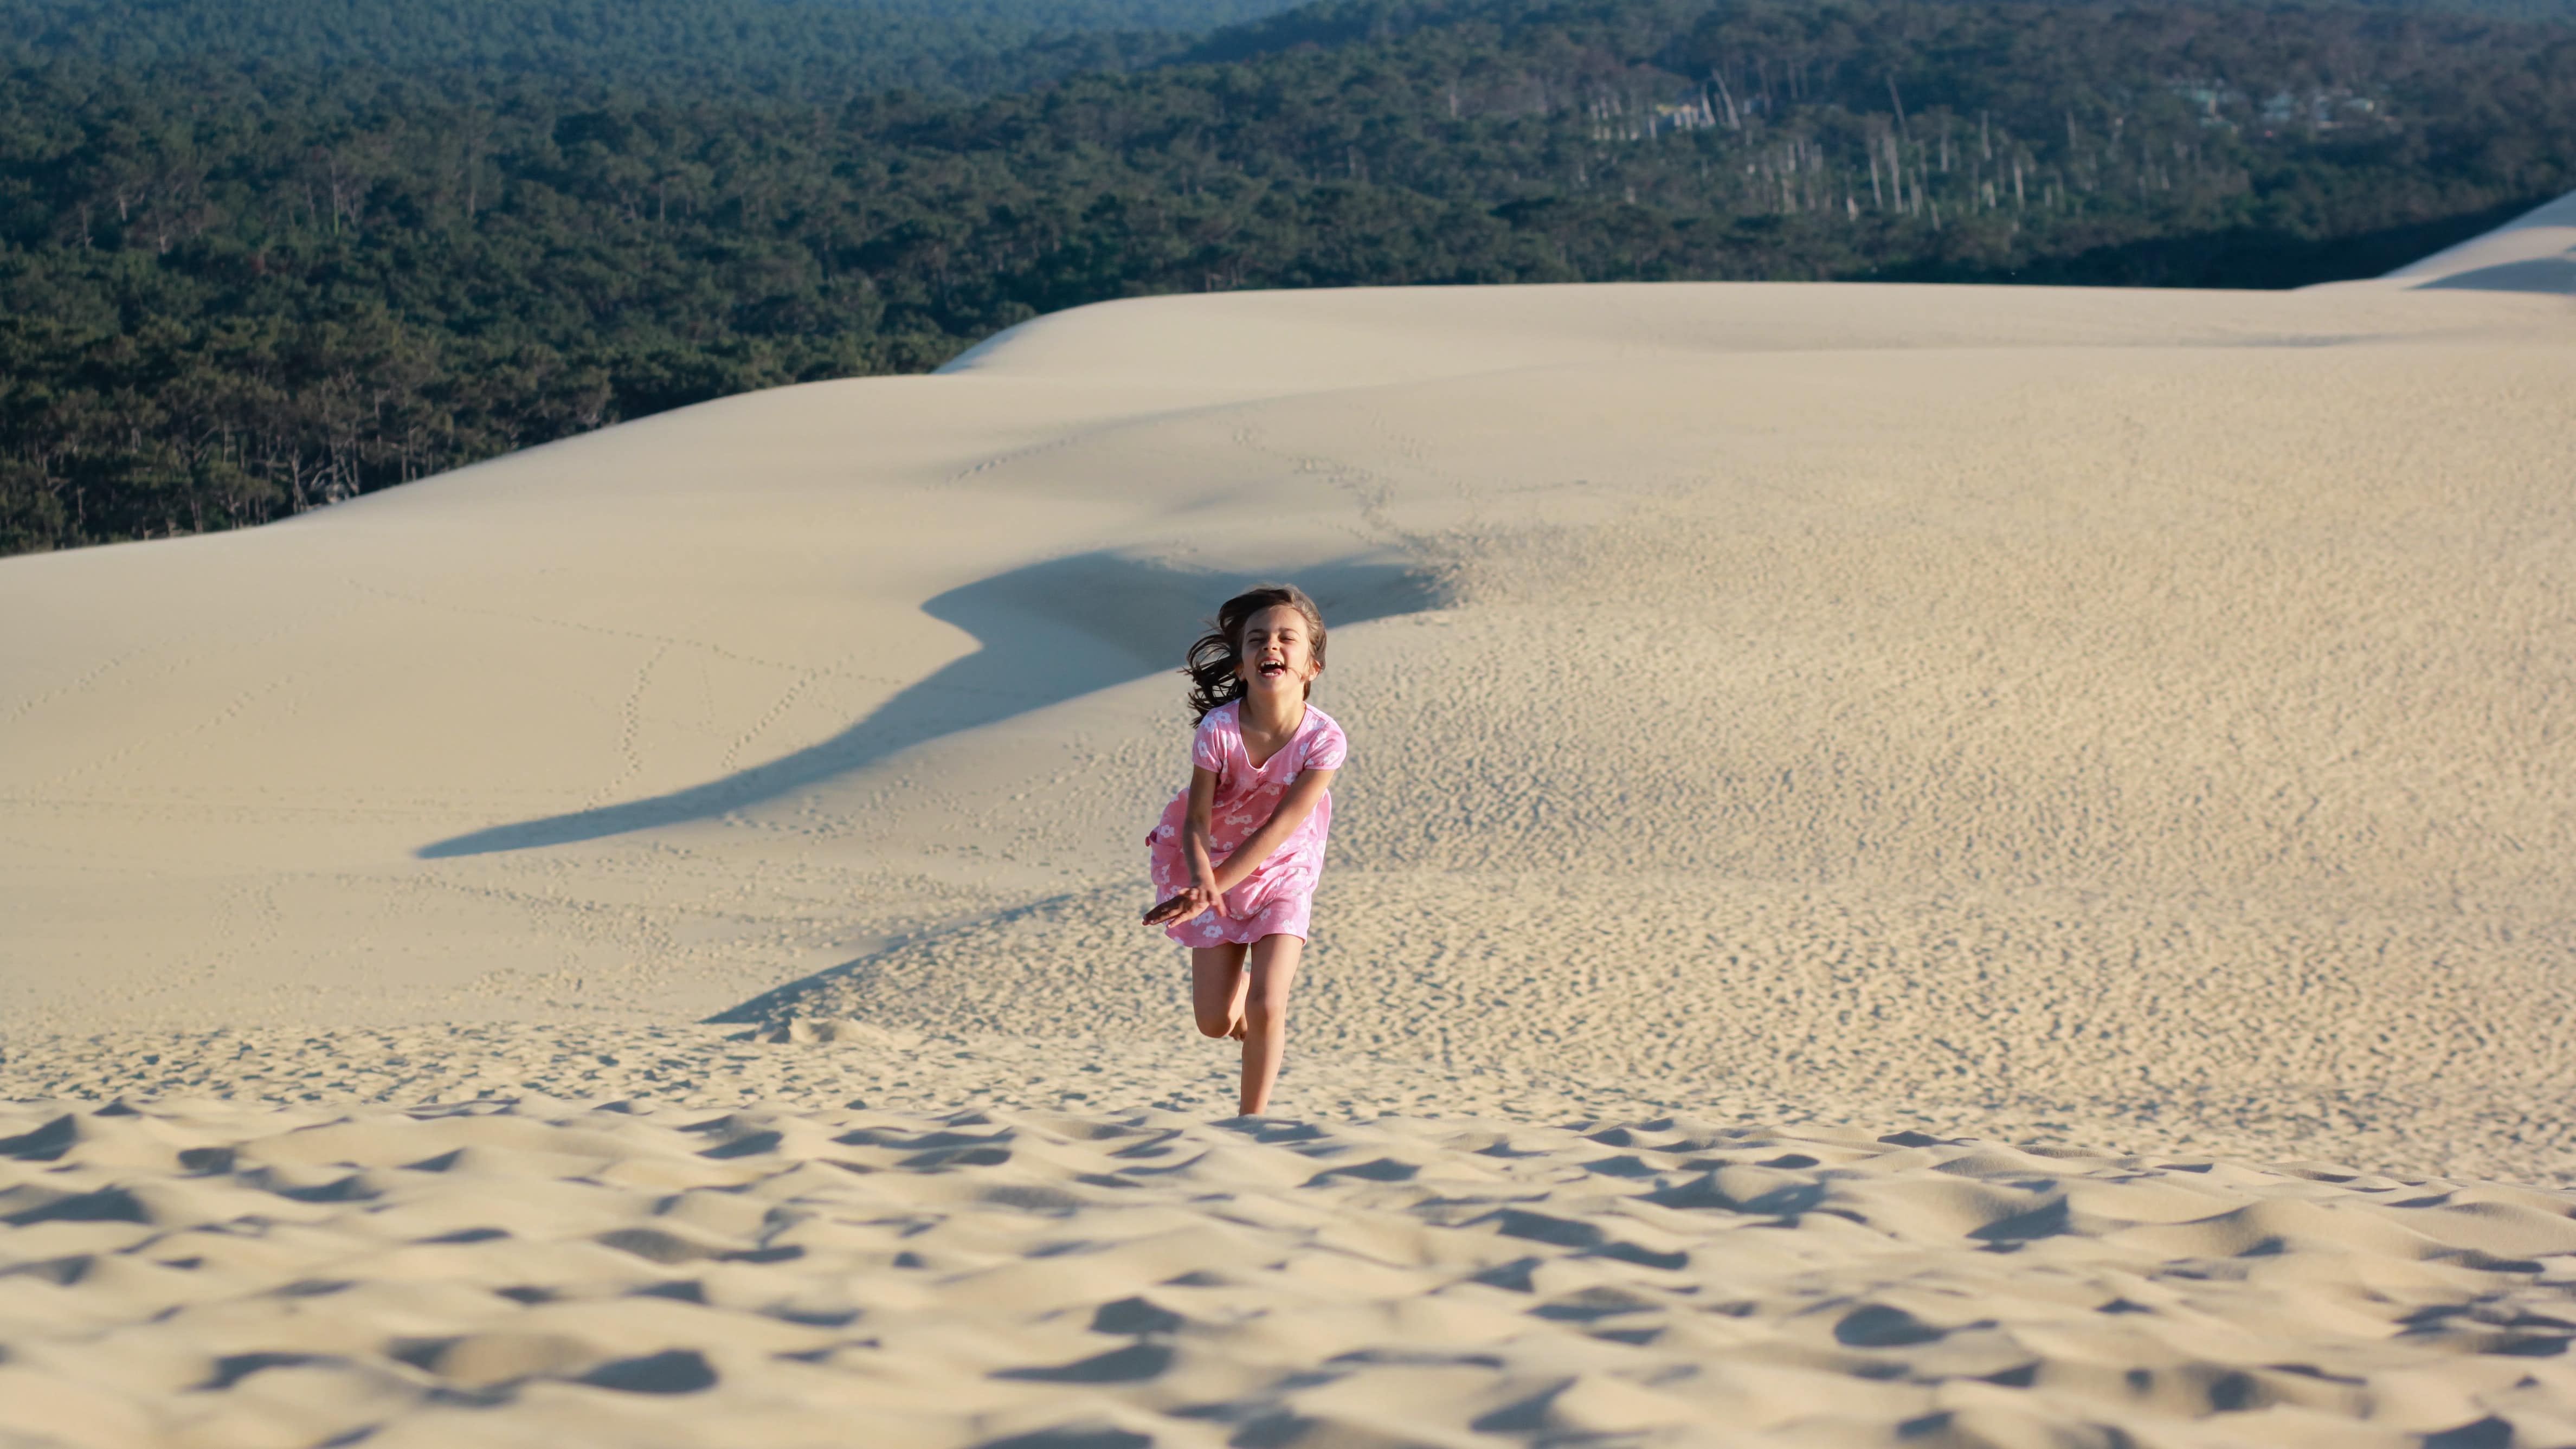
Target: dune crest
(2535, 253)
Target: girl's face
(1278, 651)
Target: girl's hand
(1188, 903)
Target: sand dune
(1972, 801)
(640, 724)
(2535, 252)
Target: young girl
(1236, 856)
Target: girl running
(1236, 856)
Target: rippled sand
(626, 1272)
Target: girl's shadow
(1049, 632)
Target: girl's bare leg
(1217, 982)
(1265, 1016)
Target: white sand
(2133, 726)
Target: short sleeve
(1328, 749)
(1207, 748)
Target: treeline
(227, 294)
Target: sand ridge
(2533, 253)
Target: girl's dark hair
(1214, 658)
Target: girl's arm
(1194, 840)
(1294, 807)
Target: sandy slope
(2534, 253)
(2125, 725)
(742, 627)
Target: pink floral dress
(1277, 897)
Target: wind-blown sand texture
(537, 1271)
(1920, 865)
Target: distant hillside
(238, 283)
(841, 45)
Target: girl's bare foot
(1237, 1030)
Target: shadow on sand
(856, 994)
(1049, 632)
(2548, 276)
